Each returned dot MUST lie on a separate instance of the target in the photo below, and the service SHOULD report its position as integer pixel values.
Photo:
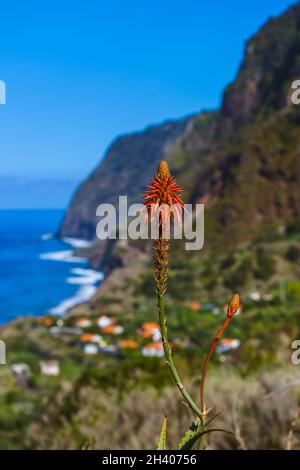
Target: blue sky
(79, 73)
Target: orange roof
(110, 329)
(156, 345)
(146, 334)
(152, 325)
(86, 337)
(195, 306)
(81, 319)
(226, 341)
(128, 344)
(47, 321)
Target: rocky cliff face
(249, 176)
(243, 162)
(271, 63)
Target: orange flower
(163, 191)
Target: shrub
(293, 253)
(265, 265)
(240, 276)
(294, 228)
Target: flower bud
(163, 169)
(233, 306)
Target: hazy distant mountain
(35, 193)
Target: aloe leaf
(188, 437)
(192, 436)
(162, 443)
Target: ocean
(38, 273)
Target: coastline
(86, 278)
(41, 272)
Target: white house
(83, 322)
(156, 335)
(227, 344)
(153, 350)
(21, 368)
(255, 296)
(104, 321)
(50, 368)
(90, 349)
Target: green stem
(169, 359)
(202, 439)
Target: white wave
(86, 272)
(67, 256)
(47, 236)
(84, 294)
(85, 276)
(77, 242)
(82, 280)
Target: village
(102, 334)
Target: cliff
(243, 161)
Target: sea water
(38, 273)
